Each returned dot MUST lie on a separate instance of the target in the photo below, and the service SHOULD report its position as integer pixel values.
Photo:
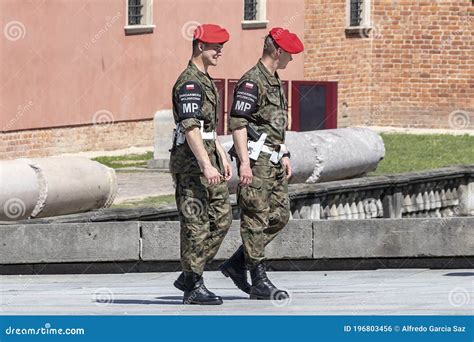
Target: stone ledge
(300, 240)
(77, 242)
(394, 238)
(161, 241)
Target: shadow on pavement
(163, 300)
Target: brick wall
(46, 142)
(416, 68)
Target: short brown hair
(195, 46)
(269, 46)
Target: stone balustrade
(438, 193)
(441, 193)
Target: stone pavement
(379, 292)
(141, 184)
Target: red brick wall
(415, 69)
(331, 56)
(47, 142)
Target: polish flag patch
(189, 86)
(248, 85)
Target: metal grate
(356, 12)
(135, 12)
(250, 9)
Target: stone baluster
(333, 213)
(353, 208)
(419, 205)
(341, 215)
(360, 208)
(454, 192)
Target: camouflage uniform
(204, 210)
(259, 101)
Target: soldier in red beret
(259, 112)
(199, 166)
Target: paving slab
(377, 292)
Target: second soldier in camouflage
(260, 105)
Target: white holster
(207, 135)
(180, 137)
(255, 147)
(276, 154)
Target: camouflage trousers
(265, 208)
(205, 215)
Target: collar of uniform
(272, 79)
(205, 78)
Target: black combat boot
(196, 292)
(262, 287)
(179, 283)
(235, 268)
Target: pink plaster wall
(69, 62)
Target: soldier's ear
(278, 52)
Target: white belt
(267, 149)
(270, 150)
(209, 135)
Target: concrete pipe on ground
(327, 155)
(44, 187)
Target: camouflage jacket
(195, 98)
(259, 100)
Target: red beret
(210, 33)
(286, 40)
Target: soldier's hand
(285, 161)
(211, 174)
(246, 176)
(227, 170)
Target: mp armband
(245, 100)
(190, 97)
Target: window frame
(146, 25)
(366, 17)
(261, 20)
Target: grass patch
(152, 201)
(410, 152)
(404, 153)
(130, 160)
